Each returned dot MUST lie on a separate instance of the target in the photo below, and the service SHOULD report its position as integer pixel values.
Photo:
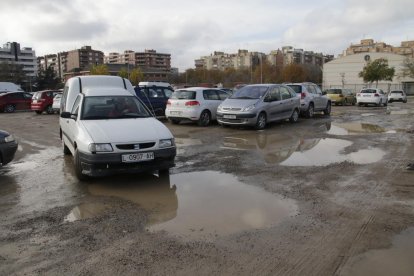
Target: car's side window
(317, 89)
(223, 95)
(310, 89)
(75, 108)
(274, 94)
(27, 95)
(284, 93)
(210, 95)
(168, 92)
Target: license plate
(229, 116)
(367, 95)
(137, 157)
(175, 113)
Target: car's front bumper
(7, 151)
(110, 163)
(249, 119)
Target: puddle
(330, 151)
(199, 205)
(397, 260)
(214, 204)
(354, 128)
(367, 114)
(273, 147)
(85, 211)
(183, 143)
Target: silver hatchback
(257, 104)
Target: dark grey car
(257, 104)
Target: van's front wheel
(78, 167)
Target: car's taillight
(168, 102)
(192, 103)
(376, 95)
(302, 95)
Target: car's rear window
(37, 95)
(333, 91)
(368, 91)
(296, 88)
(397, 92)
(184, 95)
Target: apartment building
(369, 46)
(11, 52)
(246, 59)
(47, 61)
(146, 59)
(79, 60)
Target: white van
(109, 130)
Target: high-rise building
(49, 61)
(79, 60)
(12, 53)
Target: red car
(11, 101)
(43, 101)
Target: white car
(372, 96)
(397, 96)
(109, 130)
(56, 102)
(197, 104)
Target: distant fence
(408, 87)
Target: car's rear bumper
(110, 163)
(7, 151)
(37, 107)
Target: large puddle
(397, 260)
(330, 151)
(199, 205)
(354, 128)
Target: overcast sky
(191, 29)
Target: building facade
(11, 52)
(155, 66)
(344, 72)
(246, 59)
(79, 60)
(48, 61)
(369, 46)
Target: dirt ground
(325, 196)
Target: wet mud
(324, 196)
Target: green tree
(100, 69)
(377, 70)
(136, 76)
(123, 73)
(12, 72)
(408, 68)
(47, 79)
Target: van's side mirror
(68, 115)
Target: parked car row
(38, 102)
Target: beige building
(79, 60)
(47, 61)
(344, 72)
(145, 60)
(369, 46)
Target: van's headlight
(100, 147)
(166, 143)
(9, 139)
(249, 108)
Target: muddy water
(354, 128)
(330, 151)
(199, 205)
(397, 260)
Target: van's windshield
(250, 92)
(113, 107)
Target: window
(223, 95)
(284, 93)
(168, 92)
(75, 108)
(210, 95)
(274, 94)
(310, 89)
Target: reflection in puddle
(87, 210)
(330, 151)
(354, 128)
(212, 203)
(183, 143)
(397, 260)
(274, 147)
(197, 205)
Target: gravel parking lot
(325, 196)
